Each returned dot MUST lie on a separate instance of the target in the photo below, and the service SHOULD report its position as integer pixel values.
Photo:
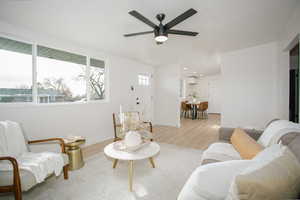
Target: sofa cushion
(225, 133)
(27, 178)
(274, 174)
(212, 181)
(244, 144)
(220, 152)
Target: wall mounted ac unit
(192, 80)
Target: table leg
(115, 163)
(152, 162)
(193, 117)
(130, 174)
(194, 112)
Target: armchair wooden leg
(17, 190)
(18, 193)
(66, 169)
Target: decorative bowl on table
(132, 138)
(132, 142)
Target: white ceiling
(223, 25)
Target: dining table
(194, 106)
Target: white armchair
(15, 176)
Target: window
(39, 74)
(60, 76)
(144, 80)
(16, 71)
(97, 79)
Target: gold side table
(75, 154)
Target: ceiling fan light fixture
(161, 38)
(161, 30)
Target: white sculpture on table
(133, 138)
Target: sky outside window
(16, 70)
(70, 74)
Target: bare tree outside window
(56, 81)
(97, 83)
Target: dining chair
(202, 109)
(185, 109)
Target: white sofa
(220, 163)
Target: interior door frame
(294, 84)
(289, 47)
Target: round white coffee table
(146, 152)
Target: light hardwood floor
(198, 134)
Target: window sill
(30, 104)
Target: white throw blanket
(12, 143)
(276, 130)
(39, 164)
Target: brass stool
(75, 154)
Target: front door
(144, 97)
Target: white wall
(208, 88)
(290, 32)
(91, 120)
(167, 100)
(256, 80)
(249, 86)
(292, 26)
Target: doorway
(294, 84)
(214, 97)
(144, 97)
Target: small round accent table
(75, 154)
(146, 152)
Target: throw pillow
(273, 175)
(244, 144)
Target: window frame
(148, 78)
(34, 68)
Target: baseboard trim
(93, 149)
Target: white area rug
(98, 181)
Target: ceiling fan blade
(180, 18)
(140, 33)
(179, 32)
(142, 18)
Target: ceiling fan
(161, 31)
